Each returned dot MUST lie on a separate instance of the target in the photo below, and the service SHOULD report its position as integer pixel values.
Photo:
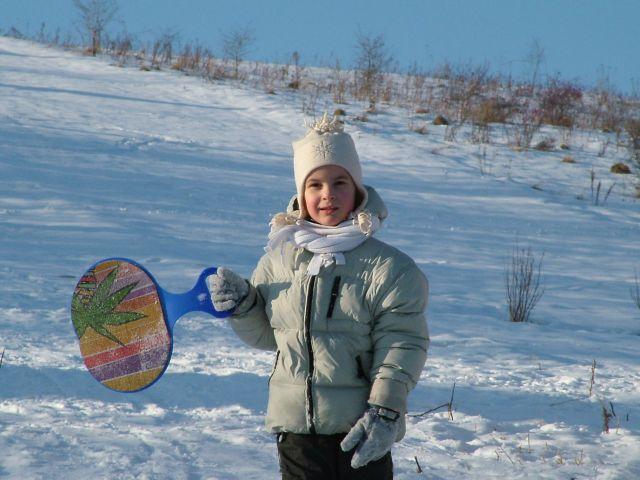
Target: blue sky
(581, 39)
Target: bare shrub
(614, 116)
(481, 132)
(566, 134)
(120, 48)
(297, 71)
(236, 44)
(95, 16)
(309, 98)
(534, 59)
(13, 32)
(560, 102)
(609, 110)
(339, 81)
(163, 48)
(372, 60)
(522, 284)
(214, 69)
(388, 89)
(463, 89)
(414, 92)
(492, 110)
(489, 111)
(41, 37)
(267, 75)
(527, 123)
(632, 127)
(194, 59)
(185, 59)
(526, 114)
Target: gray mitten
(227, 289)
(372, 435)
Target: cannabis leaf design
(97, 311)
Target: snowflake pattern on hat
(323, 148)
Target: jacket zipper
(307, 333)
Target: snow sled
(124, 321)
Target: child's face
(329, 195)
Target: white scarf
(326, 243)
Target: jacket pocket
(275, 364)
(362, 373)
(345, 306)
(335, 291)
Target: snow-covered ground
(180, 174)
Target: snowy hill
(181, 174)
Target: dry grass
(461, 94)
(546, 144)
(620, 168)
(440, 120)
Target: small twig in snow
(451, 401)
(607, 415)
(448, 405)
(608, 192)
(418, 467)
(428, 411)
(635, 293)
(593, 376)
(502, 450)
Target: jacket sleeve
(400, 337)
(250, 321)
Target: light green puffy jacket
(352, 334)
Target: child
(344, 313)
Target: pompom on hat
(326, 143)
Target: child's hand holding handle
(227, 289)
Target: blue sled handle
(198, 299)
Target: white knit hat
(326, 144)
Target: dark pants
(319, 457)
